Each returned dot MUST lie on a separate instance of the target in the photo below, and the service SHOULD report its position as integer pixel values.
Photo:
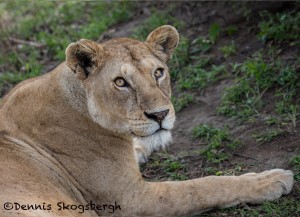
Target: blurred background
(235, 77)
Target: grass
(231, 30)
(217, 172)
(285, 207)
(182, 101)
(69, 21)
(200, 45)
(189, 69)
(280, 27)
(268, 135)
(196, 77)
(245, 98)
(295, 163)
(30, 70)
(214, 32)
(170, 166)
(219, 142)
(257, 77)
(228, 50)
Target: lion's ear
(83, 57)
(165, 39)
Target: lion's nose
(157, 116)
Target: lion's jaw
(144, 146)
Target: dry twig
(30, 43)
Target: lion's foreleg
(193, 196)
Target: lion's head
(127, 83)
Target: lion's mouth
(155, 132)
(160, 129)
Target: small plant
(211, 170)
(280, 27)
(181, 101)
(271, 120)
(172, 167)
(228, 50)
(180, 58)
(286, 107)
(240, 100)
(28, 71)
(267, 136)
(218, 142)
(295, 162)
(178, 177)
(196, 77)
(169, 165)
(200, 44)
(230, 30)
(214, 32)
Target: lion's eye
(158, 73)
(120, 82)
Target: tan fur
(68, 136)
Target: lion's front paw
(269, 185)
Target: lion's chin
(155, 141)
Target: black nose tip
(157, 116)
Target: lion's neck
(73, 91)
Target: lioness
(66, 139)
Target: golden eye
(120, 82)
(158, 73)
